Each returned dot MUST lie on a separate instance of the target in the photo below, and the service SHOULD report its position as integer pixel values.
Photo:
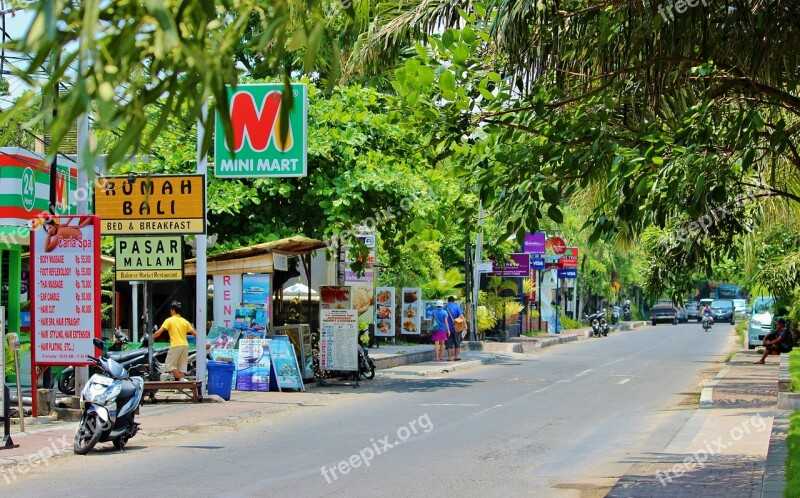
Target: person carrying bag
(457, 324)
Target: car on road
(760, 323)
(722, 311)
(740, 308)
(692, 310)
(681, 314)
(664, 313)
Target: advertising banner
(251, 321)
(534, 243)
(411, 311)
(568, 273)
(260, 147)
(335, 297)
(384, 312)
(252, 370)
(284, 363)
(569, 259)
(227, 297)
(517, 265)
(65, 303)
(149, 258)
(338, 340)
(152, 205)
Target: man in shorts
(178, 327)
(781, 340)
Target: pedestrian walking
(439, 330)
(453, 342)
(178, 327)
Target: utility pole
(201, 314)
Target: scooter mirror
(99, 344)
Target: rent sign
(260, 149)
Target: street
(565, 421)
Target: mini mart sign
(259, 147)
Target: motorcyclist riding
(707, 314)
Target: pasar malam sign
(65, 301)
(261, 146)
(149, 258)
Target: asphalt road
(562, 422)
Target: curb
(450, 367)
(774, 482)
(707, 394)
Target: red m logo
(258, 126)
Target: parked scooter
(109, 402)
(366, 368)
(594, 320)
(603, 325)
(615, 314)
(134, 360)
(626, 312)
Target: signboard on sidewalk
(285, 369)
(338, 340)
(568, 273)
(65, 303)
(151, 205)
(260, 147)
(253, 366)
(384, 312)
(569, 259)
(534, 243)
(149, 258)
(411, 311)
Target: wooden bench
(194, 387)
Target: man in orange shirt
(178, 327)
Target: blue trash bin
(220, 378)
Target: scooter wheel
(66, 383)
(120, 442)
(88, 434)
(370, 373)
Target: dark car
(723, 311)
(663, 313)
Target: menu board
(65, 303)
(338, 340)
(253, 365)
(411, 310)
(284, 363)
(384, 312)
(335, 297)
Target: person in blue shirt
(453, 341)
(439, 330)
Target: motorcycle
(626, 312)
(134, 360)
(707, 322)
(615, 315)
(594, 319)
(109, 403)
(366, 368)
(603, 326)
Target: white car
(739, 308)
(760, 321)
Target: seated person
(781, 340)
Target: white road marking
(562, 380)
(515, 378)
(583, 373)
(542, 389)
(486, 410)
(448, 404)
(615, 361)
(623, 381)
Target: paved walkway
(722, 449)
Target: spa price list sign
(338, 340)
(65, 304)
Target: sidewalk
(722, 449)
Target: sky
(16, 26)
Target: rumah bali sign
(260, 149)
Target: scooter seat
(123, 356)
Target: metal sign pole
(5, 394)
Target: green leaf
(447, 82)
(555, 214)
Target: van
(760, 323)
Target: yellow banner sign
(158, 204)
(149, 258)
